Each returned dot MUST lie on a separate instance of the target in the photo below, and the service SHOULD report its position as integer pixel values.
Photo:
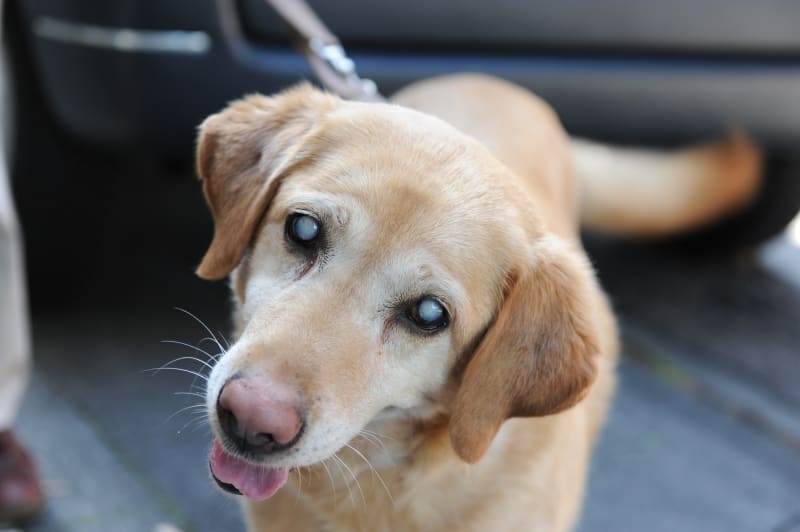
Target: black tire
(775, 205)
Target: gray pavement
(703, 436)
(119, 455)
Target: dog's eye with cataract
(302, 229)
(428, 315)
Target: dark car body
(142, 74)
(147, 71)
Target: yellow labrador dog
(421, 342)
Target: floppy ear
(537, 358)
(243, 153)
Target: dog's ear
(537, 357)
(243, 153)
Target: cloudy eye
(428, 315)
(302, 229)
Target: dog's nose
(256, 423)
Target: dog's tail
(652, 193)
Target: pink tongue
(254, 482)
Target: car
(138, 76)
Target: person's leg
(21, 495)
(14, 343)
(20, 492)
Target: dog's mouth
(235, 475)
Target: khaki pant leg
(14, 332)
(14, 341)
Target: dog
(420, 340)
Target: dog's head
(378, 257)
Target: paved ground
(704, 435)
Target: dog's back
(628, 191)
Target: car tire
(776, 203)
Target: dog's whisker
(299, 483)
(190, 346)
(337, 461)
(200, 425)
(377, 435)
(200, 422)
(201, 322)
(184, 370)
(376, 444)
(201, 369)
(374, 471)
(355, 479)
(169, 364)
(204, 363)
(193, 394)
(214, 341)
(371, 438)
(194, 387)
(227, 343)
(327, 470)
(184, 409)
(191, 421)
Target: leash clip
(335, 57)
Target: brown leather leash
(324, 52)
